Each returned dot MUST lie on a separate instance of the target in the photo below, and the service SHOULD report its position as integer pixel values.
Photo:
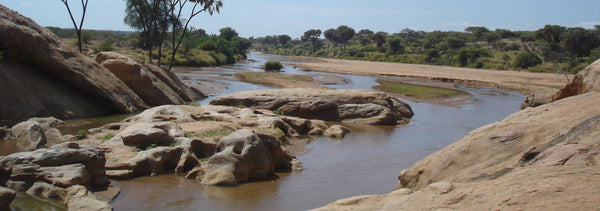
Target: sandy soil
(525, 82)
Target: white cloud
(27, 4)
(589, 25)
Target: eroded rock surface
(242, 156)
(153, 84)
(352, 106)
(67, 84)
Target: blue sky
(268, 17)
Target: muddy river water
(367, 161)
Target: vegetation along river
(366, 161)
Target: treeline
(550, 49)
(197, 49)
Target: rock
(45, 190)
(142, 135)
(53, 136)
(336, 131)
(153, 84)
(6, 197)
(47, 122)
(29, 135)
(356, 106)
(63, 165)
(161, 160)
(79, 198)
(544, 157)
(587, 80)
(67, 84)
(241, 156)
(6, 134)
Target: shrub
(107, 137)
(527, 59)
(273, 66)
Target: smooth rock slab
(354, 106)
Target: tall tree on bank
(312, 36)
(344, 34)
(145, 15)
(79, 27)
(197, 7)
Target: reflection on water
(367, 161)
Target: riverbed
(366, 161)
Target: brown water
(367, 161)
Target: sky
(259, 18)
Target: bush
(273, 66)
(527, 59)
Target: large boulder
(545, 157)
(587, 80)
(29, 135)
(64, 165)
(353, 106)
(42, 76)
(241, 156)
(153, 84)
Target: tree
(79, 27)
(552, 34)
(396, 46)
(365, 32)
(331, 35)
(477, 31)
(344, 34)
(580, 42)
(284, 39)
(527, 59)
(176, 10)
(228, 33)
(379, 39)
(312, 36)
(469, 55)
(149, 16)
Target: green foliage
(273, 66)
(107, 137)
(81, 134)
(104, 46)
(278, 112)
(203, 159)
(228, 33)
(527, 59)
(415, 90)
(477, 48)
(195, 104)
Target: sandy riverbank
(525, 82)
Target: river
(367, 161)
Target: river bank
(525, 82)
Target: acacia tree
(78, 28)
(197, 7)
(284, 39)
(379, 39)
(312, 36)
(344, 34)
(149, 16)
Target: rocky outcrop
(64, 165)
(41, 76)
(6, 197)
(29, 135)
(539, 158)
(57, 171)
(153, 84)
(173, 138)
(587, 80)
(352, 106)
(336, 131)
(241, 156)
